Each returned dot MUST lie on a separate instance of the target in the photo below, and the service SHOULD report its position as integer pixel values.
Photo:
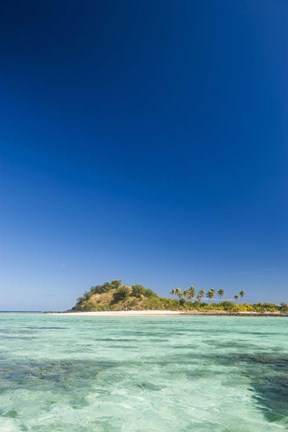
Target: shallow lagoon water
(138, 374)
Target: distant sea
(140, 374)
(21, 312)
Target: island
(114, 297)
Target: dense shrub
(100, 289)
(149, 293)
(228, 306)
(138, 290)
(283, 308)
(121, 294)
(264, 307)
(115, 283)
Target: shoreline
(121, 313)
(142, 313)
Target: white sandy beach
(137, 313)
(123, 313)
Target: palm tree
(186, 293)
(236, 297)
(210, 294)
(178, 293)
(191, 292)
(220, 293)
(200, 295)
(241, 294)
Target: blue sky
(145, 141)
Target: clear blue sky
(145, 141)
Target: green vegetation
(115, 296)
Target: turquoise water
(106, 374)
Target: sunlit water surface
(102, 374)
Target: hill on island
(114, 296)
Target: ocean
(140, 374)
